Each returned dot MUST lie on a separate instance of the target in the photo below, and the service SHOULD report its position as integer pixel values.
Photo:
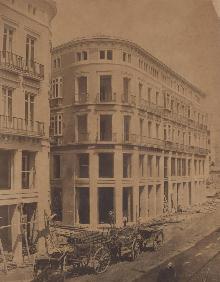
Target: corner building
(128, 134)
(25, 69)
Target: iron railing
(15, 62)
(20, 126)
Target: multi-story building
(24, 115)
(128, 134)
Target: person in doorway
(125, 220)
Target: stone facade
(24, 115)
(128, 134)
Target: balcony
(130, 138)
(107, 138)
(56, 102)
(106, 97)
(19, 126)
(150, 107)
(128, 99)
(14, 62)
(155, 142)
(81, 98)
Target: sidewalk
(189, 228)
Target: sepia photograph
(109, 140)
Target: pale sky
(184, 34)
(217, 6)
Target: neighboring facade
(128, 134)
(24, 115)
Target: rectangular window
(28, 169)
(173, 167)
(178, 167)
(157, 130)
(82, 128)
(109, 54)
(106, 165)
(83, 164)
(5, 169)
(189, 167)
(157, 98)
(102, 54)
(56, 125)
(165, 167)
(149, 95)
(127, 120)
(149, 127)
(157, 166)
(124, 57)
(30, 52)
(126, 165)
(57, 84)
(29, 108)
(56, 166)
(126, 88)
(84, 55)
(78, 56)
(105, 127)
(195, 166)
(141, 165)
(149, 166)
(7, 40)
(141, 127)
(140, 88)
(82, 86)
(183, 167)
(105, 88)
(7, 101)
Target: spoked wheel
(135, 249)
(158, 242)
(102, 259)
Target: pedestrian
(111, 218)
(168, 274)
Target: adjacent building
(24, 115)
(128, 134)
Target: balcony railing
(128, 99)
(130, 138)
(56, 102)
(15, 62)
(81, 98)
(106, 97)
(19, 126)
(107, 138)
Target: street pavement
(192, 245)
(197, 264)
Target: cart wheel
(135, 250)
(102, 259)
(158, 242)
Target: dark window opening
(56, 166)
(106, 165)
(83, 162)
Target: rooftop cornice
(106, 38)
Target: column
(118, 172)
(43, 188)
(16, 234)
(135, 171)
(15, 209)
(68, 187)
(93, 191)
